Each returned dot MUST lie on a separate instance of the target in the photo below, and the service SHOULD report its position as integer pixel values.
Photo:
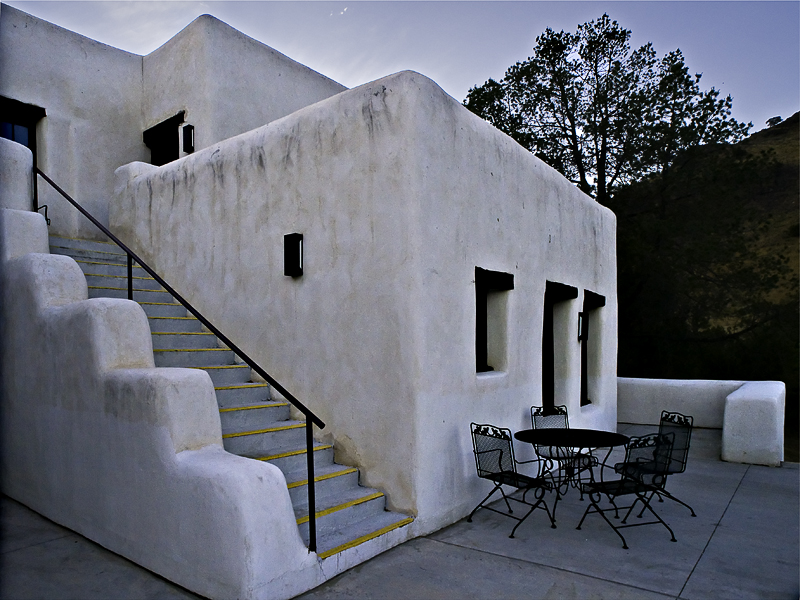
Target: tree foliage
(602, 114)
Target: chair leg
(666, 494)
(661, 495)
(539, 500)
(601, 512)
(480, 504)
(643, 498)
(505, 498)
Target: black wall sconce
(188, 139)
(583, 327)
(293, 254)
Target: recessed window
(491, 319)
(553, 337)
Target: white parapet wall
(750, 414)
(98, 440)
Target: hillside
(708, 264)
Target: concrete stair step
(256, 416)
(175, 324)
(338, 511)
(163, 309)
(330, 543)
(242, 394)
(112, 269)
(329, 480)
(139, 295)
(226, 374)
(139, 283)
(177, 340)
(291, 460)
(193, 357)
(79, 244)
(273, 439)
(91, 255)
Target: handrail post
(312, 505)
(130, 277)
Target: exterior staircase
(253, 425)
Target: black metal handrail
(311, 418)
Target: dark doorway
(553, 294)
(18, 124)
(164, 140)
(591, 302)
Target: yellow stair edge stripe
(333, 509)
(270, 430)
(66, 237)
(180, 333)
(160, 304)
(121, 253)
(184, 318)
(272, 405)
(117, 276)
(105, 287)
(192, 350)
(346, 471)
(243, 387)
(220, 366)
(94, 262)
(365, 538)
(292, 453)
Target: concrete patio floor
(744, 543)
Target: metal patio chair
(647, 459)
(558, 418)
(495, 461)
(681, 427)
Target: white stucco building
(445, 269)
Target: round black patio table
(572, 438)
(567, 444)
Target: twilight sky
(750, 50)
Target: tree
(601, 114)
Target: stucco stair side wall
(752, 430)
(485, 201)
(128, 455)
(642, 400)
(340, 337)
(227, 82)
(92, 94)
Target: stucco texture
(400, 193)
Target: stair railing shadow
(311, 418)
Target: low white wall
(750, 413)
(642, 400)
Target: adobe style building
(443, 276)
